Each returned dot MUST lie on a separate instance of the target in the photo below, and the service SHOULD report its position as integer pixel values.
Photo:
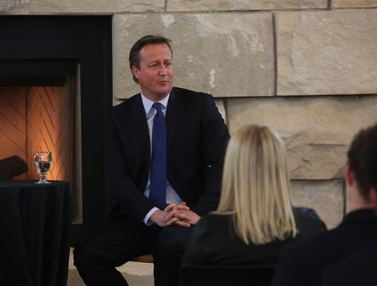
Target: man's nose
(163, 70)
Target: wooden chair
(227, 275)
(147, 258)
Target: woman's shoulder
(209, 227)
(308, 221)
(212, 225)
(214, 219)
(305, 212)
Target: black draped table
(35, 224)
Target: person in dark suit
(164, 157)
(360, 268)
(255, 217)
(304, 262)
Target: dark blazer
(303, 262)
(213, 241)
(358, 269)
(196, 141)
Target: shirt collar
(147, 103)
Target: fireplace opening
(40, 111)
(42, 56)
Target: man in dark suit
(162, 136)
(303, 263)
(360, 268)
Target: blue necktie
(157, 193)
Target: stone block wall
(306, 68)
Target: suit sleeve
(123, 188)
(215, 140)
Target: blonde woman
(255, 217)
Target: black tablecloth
(35, 224)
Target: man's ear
(135, 71)
(349, 175)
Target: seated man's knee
(79, 256)
(84, 255)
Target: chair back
(260, 275)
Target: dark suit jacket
(359, 269)
(196, 141)
(213, 241)
(303, 263)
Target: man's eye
(168, 64)
(153, 66)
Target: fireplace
(40, 111)
(55, 89)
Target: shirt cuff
(149, 214)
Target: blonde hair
(256, 186)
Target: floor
(136, 273)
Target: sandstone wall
(307, 68)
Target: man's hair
(134, 57)
(256, 186)
(362, 157)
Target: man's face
(156, 71)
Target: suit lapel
(139, 121)
(173, 115)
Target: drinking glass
(42, 162)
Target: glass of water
(42, 162)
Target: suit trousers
(119, 240)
